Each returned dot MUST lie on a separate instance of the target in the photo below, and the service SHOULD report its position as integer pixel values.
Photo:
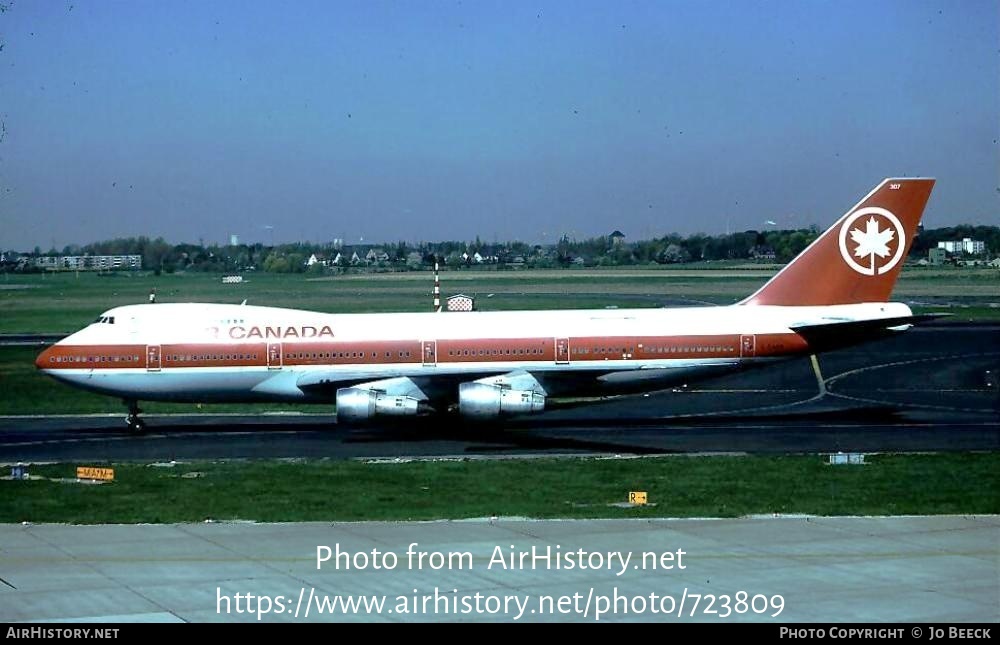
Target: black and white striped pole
(437, 287)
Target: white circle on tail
(871, 241)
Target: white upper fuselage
(236, 324)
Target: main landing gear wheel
(135, 424)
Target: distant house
(617, 238)
(355, 260)
(377, 255)
(763, 253)
(490, 254)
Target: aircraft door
(748, 345)
(562, 351)
(274, 356)
(152, 358)
(430, 353)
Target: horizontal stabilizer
(825, 336)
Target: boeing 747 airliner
(493, 364)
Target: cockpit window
(108, 320)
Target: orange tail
(857, 259)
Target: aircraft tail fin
(858, 258)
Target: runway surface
(933, 388)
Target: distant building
(50, 262)
(617, 238)
(89, 262)
(965, 245)
(937, 256)
(234, 240)
(460, 302)
(763, 253)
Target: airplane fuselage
(215, 352)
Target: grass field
(721, 486)
(64, 302)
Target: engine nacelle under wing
(361, 404)
(487, 401)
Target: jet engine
(488, 401)
(361, 404)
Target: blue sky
(433, 120)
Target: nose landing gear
(135, 424)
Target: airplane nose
(42, 361)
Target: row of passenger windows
(686, 349)
(322, 355)
(93, 359)
(183, 358)
(601, 350)
(690, 348)
(493, 352)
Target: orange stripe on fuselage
(499, 350)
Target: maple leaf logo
(872, 241)
(869, 243)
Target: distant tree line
(774, 246)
